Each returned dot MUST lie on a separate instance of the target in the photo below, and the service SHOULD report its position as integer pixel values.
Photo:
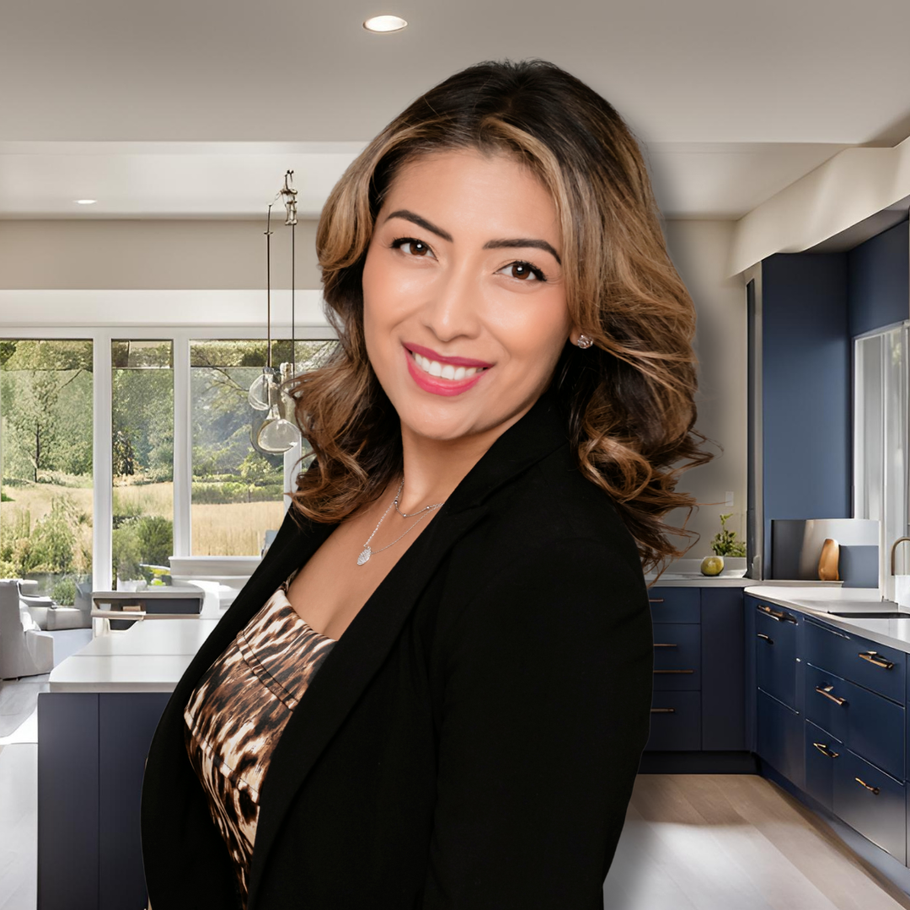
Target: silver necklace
(366, 553)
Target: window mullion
(183, 447)
(102, 462)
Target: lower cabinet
(699, 682)
(838, 731)
(781, 738)
(822, 750)
(871, 802)
(675, 721)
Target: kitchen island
(95, 725)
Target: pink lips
(455, 361)
(436, 384)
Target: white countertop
(817, 601)
(150, 656)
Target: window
(237, 488)
(142, 458)
(113, 449)
(881, 430)
(46, 438)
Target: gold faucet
(894, 548)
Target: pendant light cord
(268, 283)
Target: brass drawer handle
(876, 660)
(663, 710)
(767, 638)
(655, 600)
(826, 691)
(823, 748)
(674, 671)
(777, 615)
(875, 790)
(661, 645)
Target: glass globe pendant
(259, 391)
(277, 434)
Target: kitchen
(794, 246)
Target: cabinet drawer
(675, 721)
(822, 753)
(677, 656)
(872, 802)
(775, 652)
(867, 663)
(780, 738)
(675, 604)
(866, 723)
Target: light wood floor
(734, 842)
(691, 841)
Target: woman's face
(465, 309)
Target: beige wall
(700, 251)
(153, 255)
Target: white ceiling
(195, 109)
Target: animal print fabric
(236, 714)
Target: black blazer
(471, 741)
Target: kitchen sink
(870, 614)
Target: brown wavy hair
(628, 400)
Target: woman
(435, 689)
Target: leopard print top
(236, 714)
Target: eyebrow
(489, 245)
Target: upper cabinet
(805, 311)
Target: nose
(452, 308)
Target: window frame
(102, 397)
(890, 513)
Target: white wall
(170, 272)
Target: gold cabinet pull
(876, 659)
(874, 790)
(774, 614)
(777, 615)
(823, 748)
(767, 638)
(663, 710)
(668, 645)
(826, 691)
(674, 671)
(655, 600)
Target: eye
(523, 270)
(415, 247)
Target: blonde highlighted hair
(628, 400)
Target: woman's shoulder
(552, 512)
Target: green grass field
(220, 529)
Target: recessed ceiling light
(86, 201)
(385, 24)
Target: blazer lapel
(371, 634)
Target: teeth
(445, 371)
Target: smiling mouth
(444, 370)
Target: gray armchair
(24, 651)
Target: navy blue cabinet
(776, 631)
(830, 716)
(780, 738)
(91, 758)
(699, 681)
(872, 802)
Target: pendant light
(277, 434)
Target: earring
(584, 341)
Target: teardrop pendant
(364, 556)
